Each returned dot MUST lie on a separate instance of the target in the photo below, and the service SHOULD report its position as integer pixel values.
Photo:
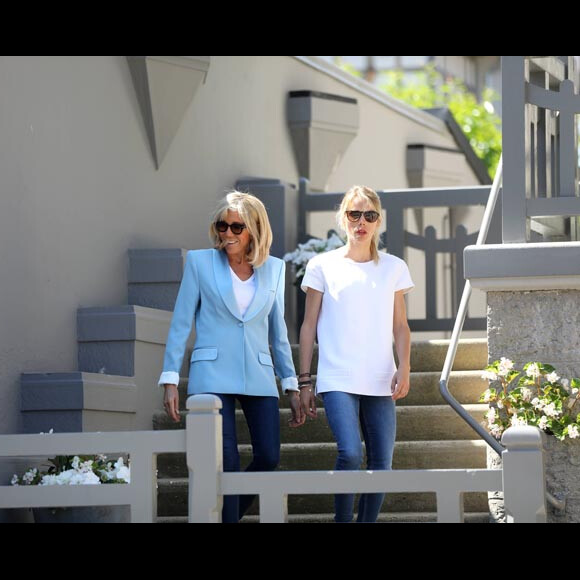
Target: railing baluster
(273, 508)
(450, 507)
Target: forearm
(402, 335)
(307, 339)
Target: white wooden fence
(522, 479)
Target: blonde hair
(370, 195)
(254, 215)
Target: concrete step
(429, 356)
(172, 502)
(426, 356)
(465, 386)
(425, 423)
(385, 518)
(322, 456)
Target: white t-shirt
(355, 327)
(244, 291)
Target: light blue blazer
(231, 353)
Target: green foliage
(479, 121)
(539, 399)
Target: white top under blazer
(355, 326)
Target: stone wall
(541, 326)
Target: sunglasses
(236, 228)
(370, 216)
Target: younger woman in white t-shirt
(355, 303)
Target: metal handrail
(458, 328)
(460, 321)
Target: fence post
(524, 479)
(204, 459)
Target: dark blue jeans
(263, 418)
(378, 420)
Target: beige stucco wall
(79, 186)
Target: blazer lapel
(262, 295)
(223, 280)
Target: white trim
(372, 92)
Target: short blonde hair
(254, 215)
(370, 195)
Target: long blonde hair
(253, 213)
(372, 197)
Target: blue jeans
(263, 417)
(378, 419)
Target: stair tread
(394, 517)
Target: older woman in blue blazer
(234, 296)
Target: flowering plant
(305, 252)
(75, 470)
(540, 398)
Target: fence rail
(140, 494)
(522, 478)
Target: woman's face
(362, 231)
(235, 245)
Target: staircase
(429, 436)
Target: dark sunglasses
(236, 228)
(370, 216)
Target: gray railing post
(524, 479)
(204, 459)
(514, 149)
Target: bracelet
(305, 375)
(305, 384)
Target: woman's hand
(308, 402)
(401, 384)
(171, 402)
(298, 417)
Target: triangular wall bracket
(165, 87)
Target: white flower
(88, 478)
(533, 371)
(551, 411)
(573, 432)
(305, 252)
(505, 367)
(489, 376)
(538, 404)
(487, 396)
(543, 424)
(29, 476)
(518, 422)
(15, 481)
(526, 395)
(496, 431)
(500, 405)
(491, 417)
(552, 378)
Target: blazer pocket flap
(266, 359)
(204, 354)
